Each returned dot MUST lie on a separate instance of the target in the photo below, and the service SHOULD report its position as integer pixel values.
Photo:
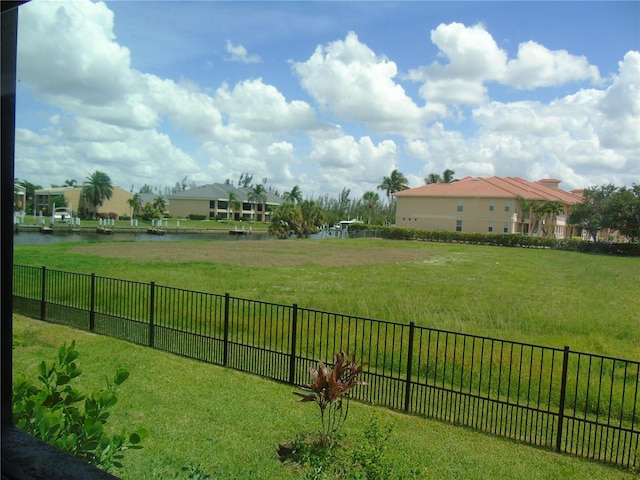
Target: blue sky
(328, 95)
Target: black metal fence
(573, 402)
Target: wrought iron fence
(573, 402)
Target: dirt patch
(260, 253)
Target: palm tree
(294, 196)
(550, 211)
(370, 198)
(258, 195)
(395, 182)
(135, 203)
(433, 178)
(234, 204)
(97, 188)
(446, 177)
(527, 208)
(159, 203)
(70, 183)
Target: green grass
(231, 423)
(546, 297)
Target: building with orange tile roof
(487, 205)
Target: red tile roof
(495, 187)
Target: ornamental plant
(54, 411)
(329, 387)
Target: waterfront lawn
(546, 297)
(231, 423)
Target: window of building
(492, 205)
(507, 206)
(490, 227)
(505, 227)
(222, 204)
(212, 204)
(460, 205)
(458, 225)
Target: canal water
(37, 238)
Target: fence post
(563, 391)
(225, 350)
(152, 303)
(43, 294)
(92, 307)
(294, 334)
(407, 390)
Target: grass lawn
(231, 423)
(546, 297)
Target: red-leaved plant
(328, 388)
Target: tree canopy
(608, 207)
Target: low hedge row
(501, 240)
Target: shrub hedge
(502, 240)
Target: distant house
(486, 205)
(80, 206)
(212, 201)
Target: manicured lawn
(546, 297)
(231, 423)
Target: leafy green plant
(370, 454)
(54, 411)
(328, 388)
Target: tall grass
(553, 298)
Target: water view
(37, 238)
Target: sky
(327, 95)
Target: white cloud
(474, 59)
(347, 79)
(340, 159)
(536, 67)
(620, 108)
(184, 105)
(238, 53)
(68, 55)
(259, 107)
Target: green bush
(502, 240)
(197, 216)
(51, 410)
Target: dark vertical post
(92, 307)
(9, 30)
(407, 390)
(563, 392)
(294, 334)
(43, 294)
(225, 351)
(152, 312)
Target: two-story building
(213, 202)
(116, 206)
(487, 205)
